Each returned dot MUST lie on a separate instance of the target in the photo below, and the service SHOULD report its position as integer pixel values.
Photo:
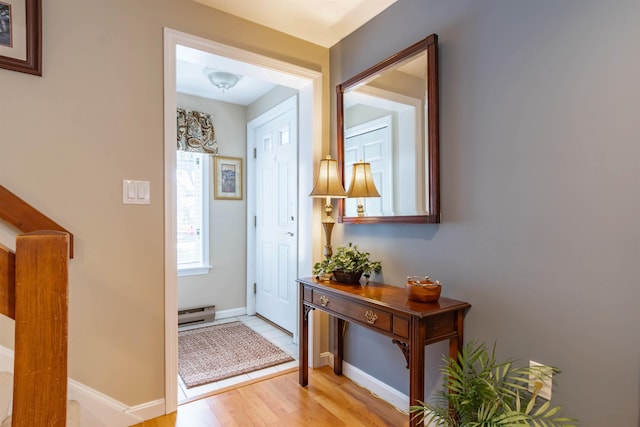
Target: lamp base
(328, 227)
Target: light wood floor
(328, 400)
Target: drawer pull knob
(324, 300)
(371, 317)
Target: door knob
(288, 233)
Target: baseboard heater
(197, 315)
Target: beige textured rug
(221, 351)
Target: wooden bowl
(423, 292)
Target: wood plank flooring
(328, 400)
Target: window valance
(196, 133)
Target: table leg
(418, 335)
(338, 345)
(456, 343)
(303, 343)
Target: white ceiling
(255, 81)
(323, 22)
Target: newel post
(40, 367)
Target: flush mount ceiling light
(222, 79)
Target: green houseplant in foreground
(482, 392)
(348, 259)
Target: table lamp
(328, 185)
(362, 184)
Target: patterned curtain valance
(196, 133)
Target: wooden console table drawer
(440, 326)
(353, 311)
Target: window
(192, 176)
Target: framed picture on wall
(227, 178)
(21, 36)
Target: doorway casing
(310, 150)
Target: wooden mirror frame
(430, 45)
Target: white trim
(309, 154)
(147, 411)
(98, 409)
(290, 103)
(377, 387)
(384, 391)
(326, 358)
(194, 271)
(171, 39)
(251, 226)
(246, 56)
(233, 312)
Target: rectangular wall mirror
(388, 117)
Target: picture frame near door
(21, 36)
(227, 178)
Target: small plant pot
(423, 292)
(347, 277)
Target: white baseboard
(98, 409)
(326, 358)
(147, 411)
(374, 385)
(377, 387)
(385, 392)
(223, 314)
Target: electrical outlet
(540, 376)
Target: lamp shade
(362, 184)
(328, 183)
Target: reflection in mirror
(388, 117)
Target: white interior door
(371, 142)
(276, 144)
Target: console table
(387, 310)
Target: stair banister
(40, 365)
(34, 291)
(25, 217)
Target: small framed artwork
(227, 178)
(21, 36)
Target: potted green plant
(348, 264)
(480, 391)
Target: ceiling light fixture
(222, 79)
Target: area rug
(214, 353)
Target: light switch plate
(135, 192)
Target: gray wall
(539, 168)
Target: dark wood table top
(388, 296)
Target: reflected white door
(371, 142)
(277, 216)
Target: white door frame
(310, 125)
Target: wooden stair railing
(34, 291)
(7, 282)
(25, 217)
